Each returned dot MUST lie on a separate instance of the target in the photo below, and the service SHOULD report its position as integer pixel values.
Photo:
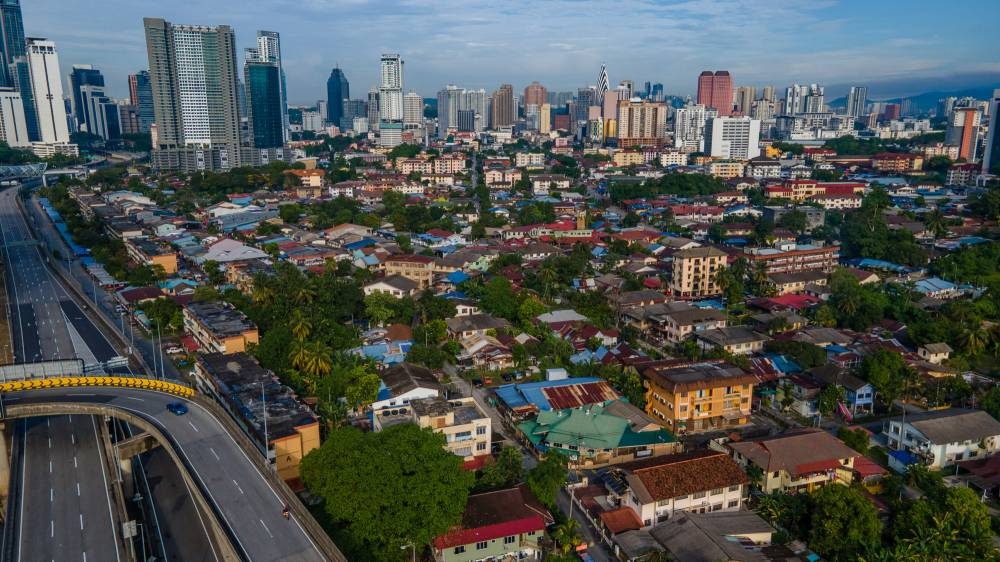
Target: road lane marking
(72, 438)
(50, 442)
(74, 463)
(216, 455)
(104, 476)
(77, 489)
(50, 467)
(134, 398)
(192, 425)
(51, 495)
(265, 528)
(52, 528)
(238, 487)
(81, 521)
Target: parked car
(177, 408)
(175, 350)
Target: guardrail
(121, 382)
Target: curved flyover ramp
(242, 492)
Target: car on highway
(175, 350)
(177, 408)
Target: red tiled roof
(460, 537)
(621, 520)
(576, 395)
(814, 467)
(866, 467)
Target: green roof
(588, 427)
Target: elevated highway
(241, 492)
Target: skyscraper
(13, 129)
(602, 83)
(449, 104)
(544, 118)
(656, 94)
(535, 94)
(804, 99)
(585, 98)
(83, 75)
(140, 93)
(263, 86)
(504, 109)
(413, 110)
(46, 85)
(373, 109)
(626, 89)
(715, 89)
(991, 158)
(269, 50)
(745, 96)
(390, 96)
(97, 113)
(641, 123)
(963, 131)
(732, 138)
(193, 76)
(689, 126)
(857, 99)
(12, 41)
(338, 90)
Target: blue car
(177, 408)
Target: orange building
(698, 396)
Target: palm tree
(974, 339)
(849, 304)
(566, 536)
(303, 296)
(262, 294)
(299, 354)
(936, 222)
(300, 325)
(319, 361)
(547, 275)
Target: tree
(547, 477)
(499, 298)
(507, 471)
(363, 390)
(379, 307)
(888, 374)
(387, 489)
(567, 536)
(216, 276)
(300, 325)
(431, 333)
(794, 220)
(936, 222)
(991, 402)
(856, 439)
(953, 526)
(843, 523)
(828, 399)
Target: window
(698, 495)
(481, 545)
(509, 540)
(480, 446)
(734, 503)
(459, 549)
(716, 491)
(481, 430)
(734, 488)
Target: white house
(946, 437)
(405, 382)
(656, 488)
(395, 285)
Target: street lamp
(412, 546)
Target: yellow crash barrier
(69, 382)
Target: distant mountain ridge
(926, 101)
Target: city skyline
(759, 44)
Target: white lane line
(51, 495)
(74, 463)
(50, 442)
(214, 454)
(52, 528)
(238, 487)
(134, 398)
(77, 489)
(50, 467)
(84, 557)
(81, 521)
(265, 528)
(72, 438)
(104, 476)
(192, 425)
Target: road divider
(78, 382)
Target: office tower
(413, 110)
(745, 96)
(857, 99)
(609, 106)
(269, 50)
(715, 89)
(373, 109)
(312, 121)
(641, 123)
(99, 113)
(324, 108)
(768, 93)
(352, 110)
(141, 96)
(963, 131)
(732, 138)
(504, 108)
(337, 91)
(946, 105)
(449, 104)
(46, 85)
(602, 83)
(804, 99)
(762, 109)
(262, 79)
(814, 101)
(12, 42)
(390, 96)
(656, 94)
(193, 76)
(535, 94)
(905, 107)
(991, 155)
(689, 126)
(128, 119)
(82, 75)
(545, 118)
(13, 129)
(585, 98)
(647, 89)
(626, 89)
(890, 112)
(466, 122)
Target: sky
(560, 43)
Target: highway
(47, 324)
(242, 496)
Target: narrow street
(595, 547)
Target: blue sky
(561, 43)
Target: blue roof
(456, 277)
(933, 284)
(709, 303)
(878, 264)
(530, 393)
(905, 458)
(836, 348)
(359, 244)
(784, 364)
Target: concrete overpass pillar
(4, 465)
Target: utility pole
(263, 401)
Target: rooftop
(673, 476)
(683, 377)
(492, 515)
(221, 318)
(955, 425)
(800, 452)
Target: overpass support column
(4, 465)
